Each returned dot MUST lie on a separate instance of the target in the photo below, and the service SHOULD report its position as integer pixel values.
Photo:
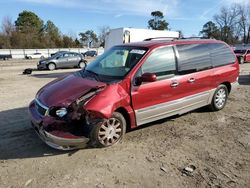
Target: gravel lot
(217, 144)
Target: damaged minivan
(131, 85)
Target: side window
(66, 55)
(221, 54)
(193, 58)
(161, 62)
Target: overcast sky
(74, 16)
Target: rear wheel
(219, 99)
(108, 132)
(51, 66)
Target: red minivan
(131, 85)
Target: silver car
(62, 60)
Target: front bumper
(56, 139)
(42, 66)
(61, 140)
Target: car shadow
(244, 79)
(19, 140)
(51, 74)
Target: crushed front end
(58, 130)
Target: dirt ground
(217, 144)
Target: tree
(28, 21)
(157, 22)
(227, 20)
(68, 42)
(51, 30)
(181, 35)
(88, 38)
(244, 22)
(210, 30)
(7, 26)
(102, 34)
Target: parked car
(34, 56)
(5, 56)
(243, 55)
(90, 53)
(62, 60)
(131, 85)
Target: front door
(149, 99)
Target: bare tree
(244, 21)
(227, 21)
(7, 26)
(103, 31)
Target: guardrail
(21, 53)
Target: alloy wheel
(220, 98)
(110, 131)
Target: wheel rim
(110, 131)
(220, 98)
(51, 66)
(81, 65)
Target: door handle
(191, 80)
(174, 84)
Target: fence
(21, 53)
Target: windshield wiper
(96, 76)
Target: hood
(46, 59)
(64, 91)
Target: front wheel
(82, 64)
(219, 99)
(51, 66)
(108, 132)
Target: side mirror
(146, 77)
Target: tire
(108, 132)
(241, 60)
(51, 66)
(219, 99)
(42, 57)
(81, 64)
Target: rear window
(221, 54)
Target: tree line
(231, 24)
(30, 31)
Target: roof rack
(194, 38)
(175, 38)
(161, 38)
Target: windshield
(239, 51)
(116, 63)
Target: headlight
(61, 112)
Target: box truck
(127, 35)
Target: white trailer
(126, 35)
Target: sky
(74, 16)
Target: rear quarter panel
(227, 73)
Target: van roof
(158, 43)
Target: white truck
(127, 35)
